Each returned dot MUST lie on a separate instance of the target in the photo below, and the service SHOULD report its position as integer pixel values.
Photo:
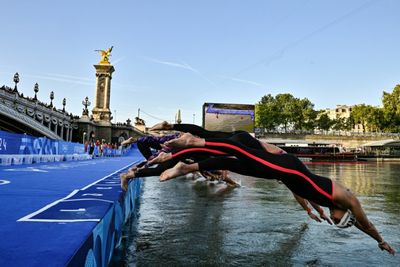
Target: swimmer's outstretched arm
(321, 212)
(161, 157)
(227, 179)
(304, 204)
(161, 126)
(129, 141)
(273, 148)
(349, 201)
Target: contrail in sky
(243, 81)
(172, 64)
(58, 77)
(185, 66)
(115, 62)
(280, 52)
(75, 80)
(62, 78)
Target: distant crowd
(101, 148)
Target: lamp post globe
(36, 90)
(16, 81)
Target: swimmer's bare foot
(186, 140)
(163, 156)
(124, 181)
(125, 177)
(129, 141)
(178, 170)
(133, 169)
(161, 126)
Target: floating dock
(64, 213)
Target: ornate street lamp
(64, 102)
(36, 90)
(16, 81)
(51, 98)
(86, 103)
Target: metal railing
(263, 132)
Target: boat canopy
(383, 143)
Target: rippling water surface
(186, 223)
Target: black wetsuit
(242, 137)
(260, 163)
(203, 133)
(145, 144)
(189, 157)
(196, 154)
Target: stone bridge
(21, 114)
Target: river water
(184, 222)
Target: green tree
(391, 110)
(375, 118)
(286, 107)
(266, 113)
(359, 115)
(370, 117)
(324, 122)
(339, 124)
(286, 111)
(304, 116)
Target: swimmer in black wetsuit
(246, 139)
(240, 136)
(243, 137)
(145, 170)
(345, 208)
(145, 144)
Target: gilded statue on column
(105, 54)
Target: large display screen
(228, 117)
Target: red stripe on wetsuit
(198, 149)
(272, 166)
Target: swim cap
(347, 220)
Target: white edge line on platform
(28, 217)
(105, 177)
(62, 221)
(80, 199)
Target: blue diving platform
(67, 213)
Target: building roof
(293, 142)
(389, 142)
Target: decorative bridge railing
(36, 115)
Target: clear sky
(179, 54)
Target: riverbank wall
(350, 142)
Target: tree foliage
(290, 113)
(391, 110)
(266, 112)
(285, 111)
(324, 122)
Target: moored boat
(320, 153)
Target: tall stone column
(67, 133)
(70, 134)
(62, 131)
(101, 110)
(56, 128)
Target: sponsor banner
(11, 143)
